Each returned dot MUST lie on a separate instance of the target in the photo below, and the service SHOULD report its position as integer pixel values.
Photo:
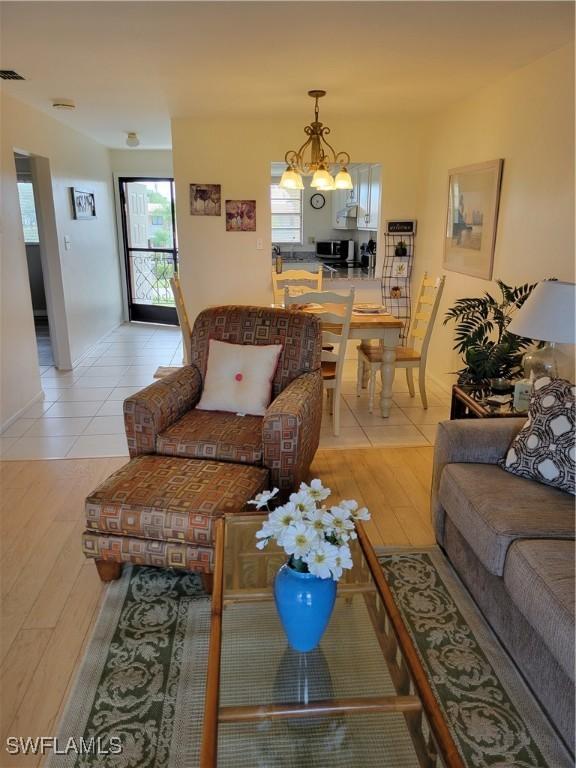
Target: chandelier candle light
(322, 158)
(317, 540)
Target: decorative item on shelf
(317, 541)
(488, 348)
(549, 316)
(522, 390)
(83, 204)
(205, 200)
(473, 199)
(322, 158)
(395, 292)
(400, 249)
(240, 215)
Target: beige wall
(218, 266)
(90, 276)
(527, 119)
(141, 162)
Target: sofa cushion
(492, 508)
(544, 448)
(539, 576)
(171, 499)
(214, 435)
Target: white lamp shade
(322, 179)
(548, 314)
(291, 180)
(343, 180)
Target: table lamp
(548, 314)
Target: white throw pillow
(239, 377)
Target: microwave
(336, 250)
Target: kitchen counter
(333, 270)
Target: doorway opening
(150, 247)
(28, 194)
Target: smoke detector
(63, 104)
(132, 139)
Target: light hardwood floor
(50, 594)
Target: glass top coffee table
(360, 700)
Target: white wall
(89, 270)
(218, 266)
(527, 119)
(142, 162)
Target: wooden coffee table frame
(396, 636)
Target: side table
(470, 403)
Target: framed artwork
(83, 204)
(240, 215)
(473, 200)
(205, 200)
(400, 268)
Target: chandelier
(322, 158)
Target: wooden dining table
(385, 329)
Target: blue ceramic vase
(304, 603)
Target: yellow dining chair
(297, 280)
(412, 356)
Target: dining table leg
(387, 369)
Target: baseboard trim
(18, 414)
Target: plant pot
(304, 603)
(400, 249)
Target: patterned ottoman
(160, 510)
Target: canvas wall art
(83, 204)
(241, 215)
(473, 200)
(205, 200)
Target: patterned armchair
(162, 418)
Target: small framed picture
(205, 200)
(240, 215)
(83, 204)
(400, 268)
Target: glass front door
(150, 248)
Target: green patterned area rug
(142, 679)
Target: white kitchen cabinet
(351, 195)
(363, 196)
(368, 197)
(338, 200)
(374, 207)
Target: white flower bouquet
(316, 537)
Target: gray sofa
(511, 540)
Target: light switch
(259, 244)
(67, 243)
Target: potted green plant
(400, 249)
(481, 336)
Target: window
(286, 208)
(157, 221)
(28, 212)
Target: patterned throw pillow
(544, 449)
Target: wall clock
(317, 201)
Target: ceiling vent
(9, 74)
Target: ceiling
(131, 66)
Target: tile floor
(81, 413)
